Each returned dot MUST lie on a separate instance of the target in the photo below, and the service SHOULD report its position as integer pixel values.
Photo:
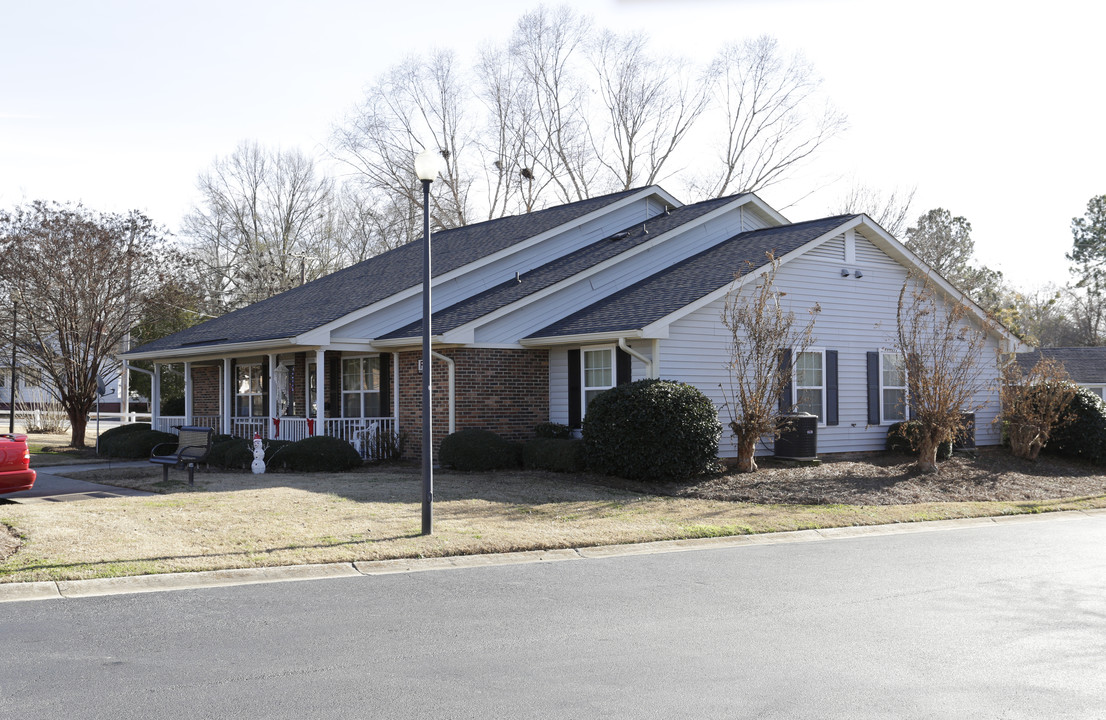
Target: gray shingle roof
(685, 282)
(1085, 365)
(560, 269)
(336, 295)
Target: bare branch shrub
(1034, 404)
(942, 343)
(765, 342)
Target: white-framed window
(249, 398)
(312, 389)
(599, 373)
(361, 386)
(1099, 390)
(810, 383)
(892, 381)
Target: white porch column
(226, 399)
(155, 397)
(188, 393)
(320, 389)
(273, 390)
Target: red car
(15, 464)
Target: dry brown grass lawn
(233, 520)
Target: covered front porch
(284, 396)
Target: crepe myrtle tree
(765, 341)
(82, 279)
(1034, 404)
(942, 343)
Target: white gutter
(452, 390)
(630, 351)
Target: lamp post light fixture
(427, 166)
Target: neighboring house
(1086, 366)
(31, 393)
(536, 314)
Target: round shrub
(135, 444)
(1084, 435)
(473, 449)
(556, 454)
(902, 437)
(320, 453)
(110, 437)
(224, 449)
(552, 430)
(652, 428)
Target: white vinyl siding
(857, 316)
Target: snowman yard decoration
(258, 464)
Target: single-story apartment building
(535, 314)
(1086, 366)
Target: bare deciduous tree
(1034, 404)
(766, 120)
(652, 104)
(765, 343)
(82, 279)
(264, 219)
(942, 344)
(890, 209)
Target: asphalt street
(1003, 621)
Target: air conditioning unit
(965, 439)
(798, 439)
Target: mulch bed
(891, 479)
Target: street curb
(62, 589)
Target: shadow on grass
(77, 566)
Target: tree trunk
(78, 423)
(927, 455)
(746, 450)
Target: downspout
(452, 392)
(634, 353)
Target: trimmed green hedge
(320, 453)
(902, 438)
(556, 454)
(134, 443)
(656, 429)
(474, 449)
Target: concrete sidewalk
(53, 485)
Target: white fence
(374, 438)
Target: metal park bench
(192, 446)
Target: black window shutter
(265, 384)
(873, 388)
(385, 385)
(574, 409)
(831, 388)
(622, 366)
(785, 369)
(335, 409)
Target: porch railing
(374, 438)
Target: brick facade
(502, 390)
(205, 390)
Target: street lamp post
(11, 403)
(427, 167)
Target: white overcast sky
(993, 110)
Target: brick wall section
(205, 390)
(502, 390)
